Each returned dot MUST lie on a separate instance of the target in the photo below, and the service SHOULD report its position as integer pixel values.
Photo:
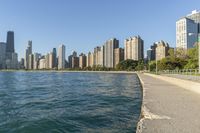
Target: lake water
(48, 102)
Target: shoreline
(142, 113)
(70, 71)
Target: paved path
(186, 77)
(168, 108)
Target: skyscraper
(96, 50)
(75, 62)
(51, 60)
(11, 56)
(36, 58)
(119, 56)
(186, 33)
(42, 64)
(151, 53)
(109, 47)
(162, 50)
(90, 59)
(134, 48)
(54, 58)
(61, 57)
(10, 42)
(21, 63)
(2, 55)
(82, 61)
(99, 56)
(28, 51)
(187, 30)
(195, 15)
(30, 63)
(74, 54)
(9, 47)
(14, 61)
(47, 60)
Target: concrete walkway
(184, 77)
(168, 108)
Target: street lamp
(149, 67)
(156, 66)
(198, 44)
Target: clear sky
(83, 24)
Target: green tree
(181, 53)
(140, 65)
(127, 65)
(171, 54)
(192, 57)
(152, 65)
(169, 63)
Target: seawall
(169, 105)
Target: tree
(192, 55)
(140, 65)
(171, 54)
(181, 53)
(127, 65)
(169, 63)
(152, 65)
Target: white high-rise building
(30, 63)
(109, 48)
(82, 61)
(47, 60)
(90, 59)
(42, 64)
(28, 51)
(61, 57)
(186, 33)
(15, 61)
(187, 30)
(51, 60)
(100, 55)
(134, 48)
(36, 58)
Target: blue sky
(83, 24)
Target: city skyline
(48, 29)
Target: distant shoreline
(69, 71)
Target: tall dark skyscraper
(11, 56)
(10, 42)
(54, 58)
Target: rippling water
(45, 102)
